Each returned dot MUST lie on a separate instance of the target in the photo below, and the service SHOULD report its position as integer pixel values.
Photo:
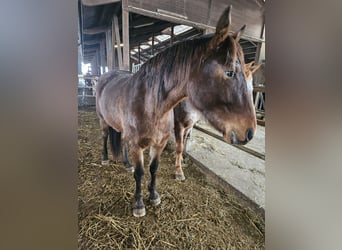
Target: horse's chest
(151, 131)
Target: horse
(137, 109)
(186, 116)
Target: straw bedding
(194, 214)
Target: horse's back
(108, 90)
(111, 77)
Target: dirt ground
(194, 214)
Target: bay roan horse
(209, 71)
(186, 116)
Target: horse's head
(219, 88)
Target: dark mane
(174, 61)
(177, 60)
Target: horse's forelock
(233, 53)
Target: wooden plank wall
(205, 13)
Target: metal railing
(136, 67)
(87, 85)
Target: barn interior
(117, 34)
(114, 34)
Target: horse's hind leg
(129, 167)
(186, 136)
(104, 128)
(138, 159)
(179, 135)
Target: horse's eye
(230, 73)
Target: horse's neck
(176, 88)
(171, 79)
(177, 92)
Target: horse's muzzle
(248, 136)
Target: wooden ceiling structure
(115, 34)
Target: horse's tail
(115, 142)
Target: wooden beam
(249, 53)
(139, 20)
(91, 42)
(107, 13)
(135, 60)
(243, 148)
(98, 2)
(180, 20)
(261, 122)
(86, 46)
(125, 34)
(161, 45)
(259, 89)
(144, 57)
(95, 30)
(156, 28)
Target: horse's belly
(112, 115)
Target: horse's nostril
(249, 134)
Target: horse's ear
(255, 68)
(237, 35)
(222, 28)
(225, 19)
(249, 65)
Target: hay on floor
(194, 214)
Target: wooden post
(118, 40)
(152, 44)
(103, 53)
(98, 62)
(125, 34)
(139, 53)
(257, 53)
(97, 59)
(109, 49)
(93, 65)
(260, 52)
(114, 55)
(171, 39)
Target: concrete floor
(243, 171)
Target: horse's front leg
(138, 204)
(129, 167)
(154, 155)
